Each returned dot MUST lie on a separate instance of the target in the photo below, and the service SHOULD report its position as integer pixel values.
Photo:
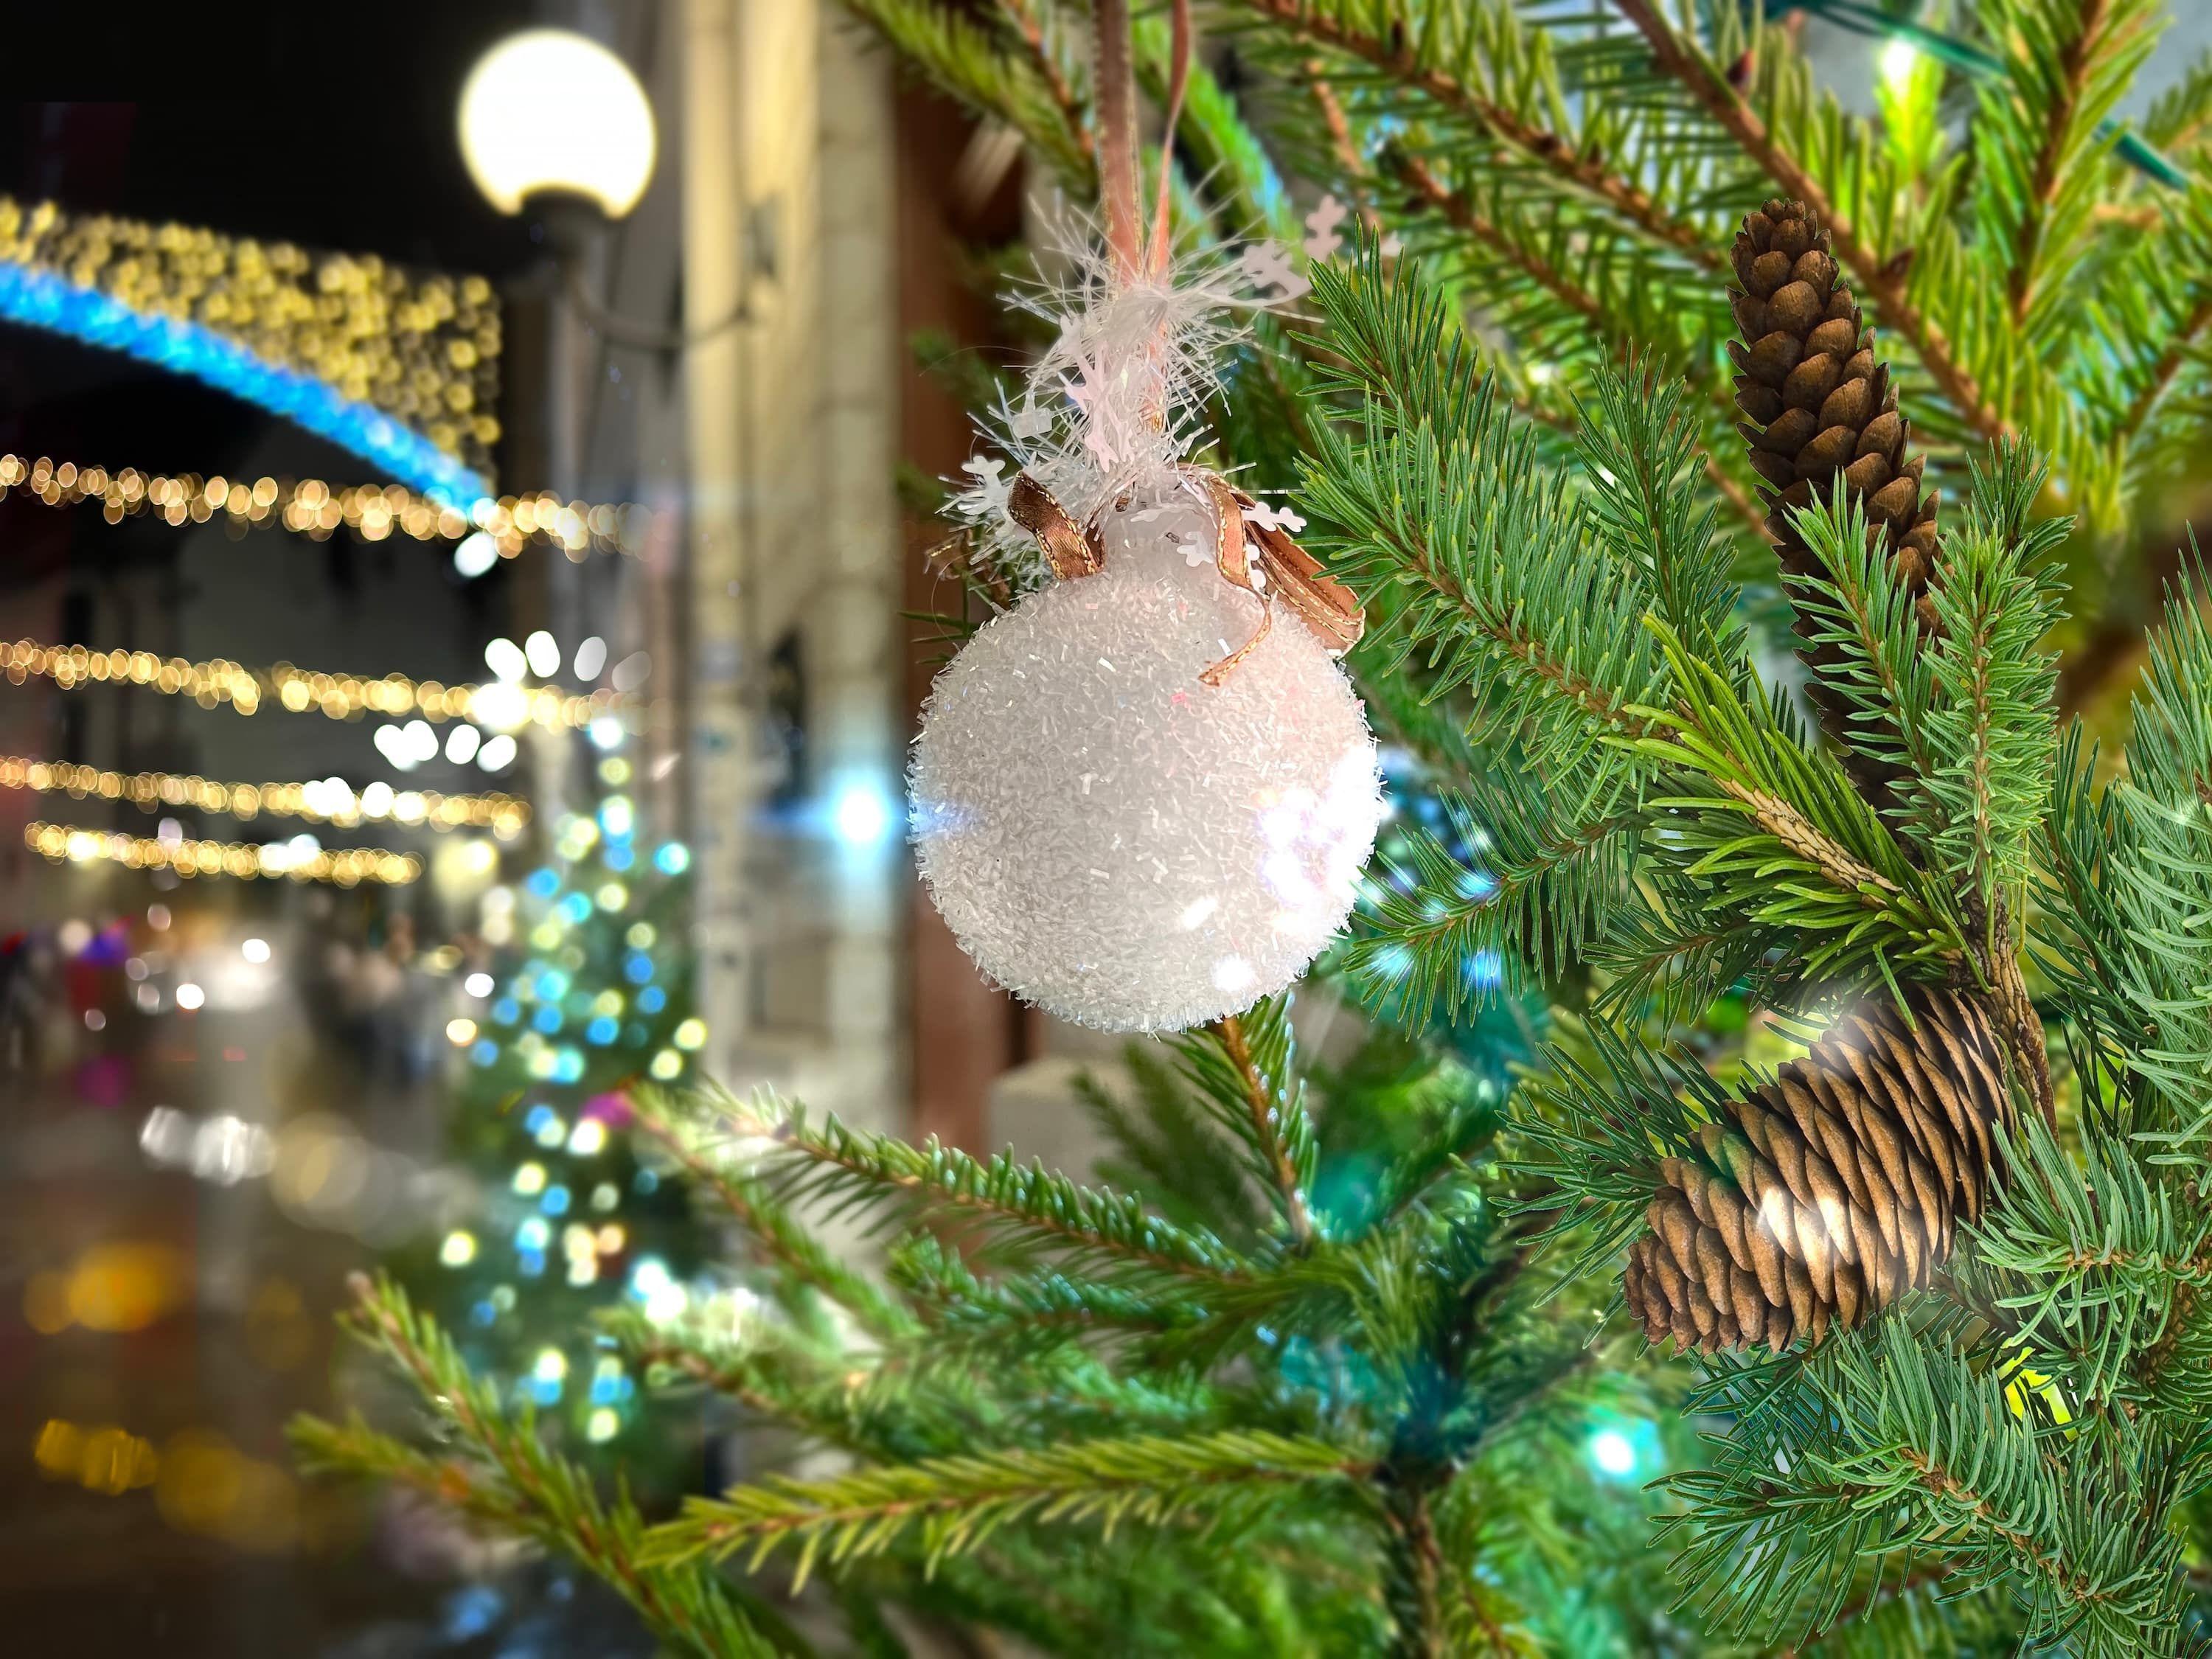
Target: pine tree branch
(2163, 373)
(1436, 509)
(1551, 880)
(2190, 1279)
(520, 1483)
(1795, 831)
(959, 1503)
(1418, 1571)
(2044, 177)
(1536, 145)
(1756, 763)
(962, 59)
(1963, 1494)
(1334, 120)
(1636, 446)
(1881, 281)
(1023, 1313)
(1266, 1129)
(733, 1382)
(1892, 1444)
(1458, 212)
(2104, 1262)
(1454, 208)
(772, 1232)
(1473, 613)
(1880, 1594)
(826, 1400)
(2015, 1016)
(1022, 17)
(352, 1449)
(1165, 1146)
(855, 1167)
(2043, 145)
(1862, 626)
(1666, 974)
(2180, 119)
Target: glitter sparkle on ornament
(1115, 840)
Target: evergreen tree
(1938, 1262)
(585, 975)
(1974, 1288)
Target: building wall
(795, 741)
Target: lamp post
(554, 124)
(549, 114)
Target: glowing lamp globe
(549, 112)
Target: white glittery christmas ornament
(1114, 839)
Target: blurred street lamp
(551, 112)
(554, 124)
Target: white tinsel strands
(1117, 841)
(1113, 405)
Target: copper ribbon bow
(1285, 568)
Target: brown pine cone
(1827, 1192)
(1820, 405)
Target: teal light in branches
(1436, 838)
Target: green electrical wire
(1872, 23)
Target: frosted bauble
(1117, 841)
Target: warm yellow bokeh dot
(126, 1285)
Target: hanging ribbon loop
(1232, 557)
(1284, 570)
(1067, 550)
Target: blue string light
(39, 299)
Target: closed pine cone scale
(1818, 406)
(1817, 401)
(1823, 1195)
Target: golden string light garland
(500, 706)
(423, 347)
(331, 803)
(269, 862)
(314, 509)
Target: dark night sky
(332, 125)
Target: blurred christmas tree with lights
(578, 992)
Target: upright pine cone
(1820, 407)
(1830, 1190)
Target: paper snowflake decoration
(1267, 266)
(990, 489)
(1322, 240)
